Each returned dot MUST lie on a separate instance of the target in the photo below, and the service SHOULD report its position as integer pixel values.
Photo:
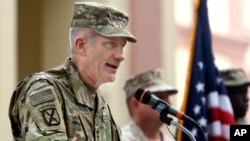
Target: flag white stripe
(219, 101)
(216, 129)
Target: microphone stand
(169, 121)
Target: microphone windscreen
(138, 93)
(142, 95)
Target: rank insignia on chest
(51, 116)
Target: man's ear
(134, 106)
(133, 102)
(80, 45)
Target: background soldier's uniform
(57, 105)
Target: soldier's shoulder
(33, 82)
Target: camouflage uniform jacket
(57, 105)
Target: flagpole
(192, 44)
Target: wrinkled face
(239, 100)
(102, 58)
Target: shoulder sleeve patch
(41, 96)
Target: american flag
(206, 100)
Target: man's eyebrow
(118, 41)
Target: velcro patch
(51, 116)
(42, 96)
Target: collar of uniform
(84, 94)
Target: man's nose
(120, 54)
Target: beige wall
(8, 68)
(29, 41)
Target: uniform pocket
(87, 125)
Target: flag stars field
(194, 131)
(203, 99)
(200, 64)
(203, 122)
(219, 80)
(197, 109)
(200, 87)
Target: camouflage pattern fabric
(235, 77)
(153, 80)
(105, 20)
(57, 105)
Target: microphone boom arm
(185, 130)
(169, 121)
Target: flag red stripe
(218, 114)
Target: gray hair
(85, 32)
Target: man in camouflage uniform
(237, 84)
(145, 124)
(64, 103)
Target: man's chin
(110, 78)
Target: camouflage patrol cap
(235, 77)
(153, 80)
(105, 20)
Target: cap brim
(109, 31)
(235, 84)
(162, 88)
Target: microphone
(146, 97)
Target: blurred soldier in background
(237, 83)
(145, 124)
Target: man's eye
(111, 44)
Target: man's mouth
(112, 66)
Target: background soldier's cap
(153, 80)
(105, 20)
(235, 77)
